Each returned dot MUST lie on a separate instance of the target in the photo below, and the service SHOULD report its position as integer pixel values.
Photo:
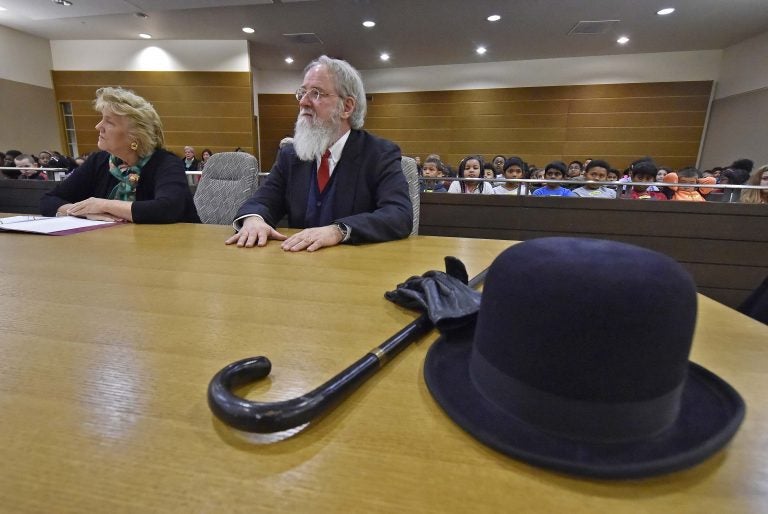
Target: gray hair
(348, 83)
(147, 127)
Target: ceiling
(413, 32)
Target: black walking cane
(267, 417)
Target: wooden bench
(723, 245)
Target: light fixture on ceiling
(141, 15)
(384, 57)
(248, 30)
(665, 11)
(369, 24)
(623, 40)
(493, 17)
(289, 59)
(65, 3)
(3, 9)
(481, 50)
(144, 35)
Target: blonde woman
(132, 178)
(759, 177)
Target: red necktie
(323, 172)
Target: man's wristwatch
(343, 230)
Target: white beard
(312, 137)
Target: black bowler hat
(579, 363)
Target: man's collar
(337, 147)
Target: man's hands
(311, 239)
(256, 232)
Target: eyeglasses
(314, 94)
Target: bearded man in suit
(337, 182)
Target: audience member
(132, 178)
(575, 172)
(432, 170)
(204, 159)
(44, 157)
(688, 175)
(497, 163)
(514, 168)
(555, 170)
(759, 177)
(10, 155)
(663, 170)
(190, 161)
(471, 167)
(736, 177)
(336, 181)
(644, 170)
(595, 171)
(30, 169)
(535, 174)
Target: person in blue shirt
(555, 170)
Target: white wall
(744, 67)
(737, 125)
(25, 58)
(611, 69)
(148, 55)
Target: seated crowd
(594, 178)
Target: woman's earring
(134, 146)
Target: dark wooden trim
(724, 246)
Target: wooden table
(110, 338)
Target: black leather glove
(445, 297)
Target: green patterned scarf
(127, 178)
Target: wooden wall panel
(201, 109)
(618, 122)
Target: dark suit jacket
(371, 190)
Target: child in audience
(554, 171)
(29, 171)
(596, 171)
(432, 169)
(688, 194)
(575, 172)
(644, 171)
(514, 168)
(471, 167)
(497, 163)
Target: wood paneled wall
(616, 122)
(201, 109)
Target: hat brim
(710, 414)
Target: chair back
(228, 180)
(411, 172)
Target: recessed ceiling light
(248, 30)
(623, 40)
(384, 57)
(481, 50)
(493, 17)
(665, 11)
(144, 35)
(3, 9)
(289, 60)
(369, 24)
(65, 3)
